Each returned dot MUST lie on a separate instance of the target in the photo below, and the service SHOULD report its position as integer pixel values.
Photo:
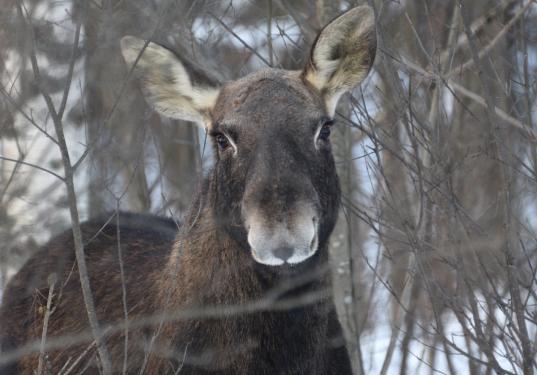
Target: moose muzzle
(290, 240)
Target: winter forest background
(435, 254)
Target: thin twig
(229, 30)
(51, 283)
(123, 291)
(269, 34)
(476, 27)
(532, 134)
(72, 62)
(25, 115)
(485, 51)
(33, 166)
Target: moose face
(275, 174)
(275, 187)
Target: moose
(242, 286)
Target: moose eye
(324, 132)
(222, 141)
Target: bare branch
(486, 50)
(69, 183)
(33, 166)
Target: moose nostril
(283, 253)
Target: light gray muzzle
(291, 241)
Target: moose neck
(209, 270)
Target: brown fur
(210, 272)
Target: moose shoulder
(243, 286)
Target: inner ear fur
(342, 55)
(173, 86)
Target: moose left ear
(175, 87)
(342, 55)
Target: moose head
(274, 186)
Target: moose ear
(342, 55)
(174, 87)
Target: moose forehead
(268, 99)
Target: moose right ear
(342, 55)
(173, 87)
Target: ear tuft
(342, 55)
(168, 84)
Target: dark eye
(222, 141)
(326, 128)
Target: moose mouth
(284, 247)
(297, 257)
